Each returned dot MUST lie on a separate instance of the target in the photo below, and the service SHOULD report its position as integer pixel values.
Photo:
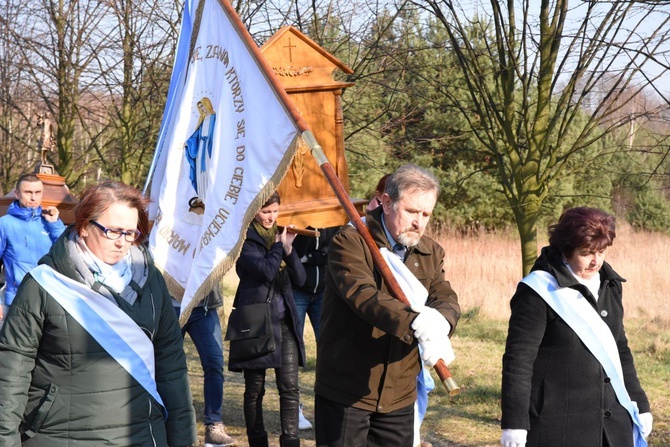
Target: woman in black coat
(266, 268)
(556, 391)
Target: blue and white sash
(417, 294)
(110, 326)
(583, 319)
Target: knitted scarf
(116, 276)
(268, 236)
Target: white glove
(513, 438)
(434, 350)
(646, 421)
(430, 324)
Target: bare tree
(17, 105)
(533, 69)
(135, 76)
(100, 69)
(60, 40)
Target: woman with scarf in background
(267, 267)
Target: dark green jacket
(367, 355)
(60, 386)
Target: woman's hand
(286, 239)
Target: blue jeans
(308, 304)
(204, 327)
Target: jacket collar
(253, 235)
(551, 261)
(64, 258)
(23, 213)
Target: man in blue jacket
(26, 233)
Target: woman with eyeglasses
(91, 350)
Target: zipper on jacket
(151, 333)
(316, 285)
(151, 427)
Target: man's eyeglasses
(130, 235)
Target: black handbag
(250, 331)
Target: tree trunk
(526, 222)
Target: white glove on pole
(430, 324)
(434, 350)
(646, 421)
(513, 438)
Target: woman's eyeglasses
(130, 235)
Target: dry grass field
(484, 270)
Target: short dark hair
(582, 228)
(96, 199)
(410, 178)
(29, 178)
(274, 198)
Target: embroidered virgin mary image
(198, 153)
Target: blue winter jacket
(25, 236)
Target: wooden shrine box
(305, 70)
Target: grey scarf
(90, 271)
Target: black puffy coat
(258, 271)
(552, 385)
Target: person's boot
(216, 436)
(289, 442)
(259, 441)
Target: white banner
(226, 142)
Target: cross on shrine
(289, 46)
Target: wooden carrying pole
(327, 169)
